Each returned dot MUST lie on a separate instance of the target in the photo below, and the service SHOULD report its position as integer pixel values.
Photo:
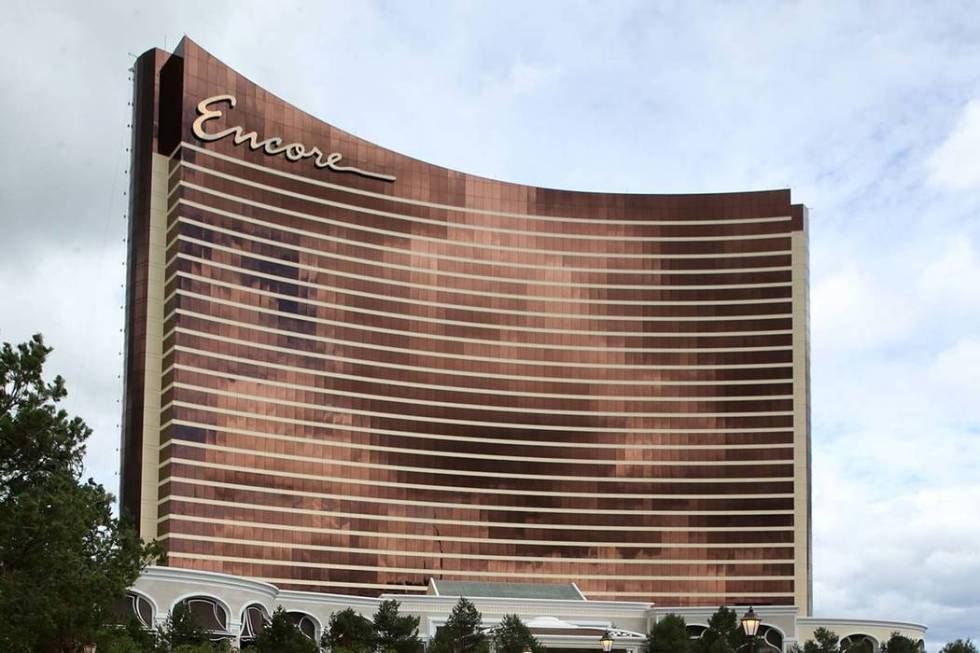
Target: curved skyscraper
(350, 371)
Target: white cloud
(955, 165)
(73, 297)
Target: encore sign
(274, 145)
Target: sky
(869, 112)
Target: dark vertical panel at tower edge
(171, 92)
(145, 119)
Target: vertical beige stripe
(154, 346)
(801, 418)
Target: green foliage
(64, 559)
(959, 646)
(394, 632)
(461, 633)
(181, 634)
(824, 641)
(859, 646)
(279, 635)
(349, 632)
(132, 638)
(223, 646)
(899, 644)
(668, 635)
(723, 635)
(513, 636)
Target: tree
(395, 633)
(64, 559)
(824, 641)
(723, 635)
(858, 645)
(181, 629)
(208, 647)
(462, 633)
(899, 644)
(349, 632)
(959, 646)
(668, 635)
(513, 636)
(279, 635)
(131, 638)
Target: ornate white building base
(558, 623)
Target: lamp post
(606, 643)
(750, 624)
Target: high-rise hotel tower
(350, 371)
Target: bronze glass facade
(350, 371)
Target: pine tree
(395, 633)
(824, 641)
(959, 646)
(462, 633)
(64, 559)
(349, 632)
(668, 635)
(513, 636)
(279, 635)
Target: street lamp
(606, 642)
(750, 624)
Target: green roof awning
(473, 589)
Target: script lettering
(273, 145)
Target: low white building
(559, 616)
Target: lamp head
(750, 622)
(606, 642)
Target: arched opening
(134, 606)
(305, 623)
(209, 615)
(695, 631)
(770, 639)
(858, 643)
(254, 619)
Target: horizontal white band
(275, 562)
(257, 507)
(456, 208)
(438, 370)
(432, 336)
(484, 540)
(414, 418)
(444, 504)
(380, 381)
(531, 299)
(443, 242)
(398, 519)
(460, 406)
(444, 288)
(428, 270)
(383, 381)
(478, 230)
(474, 556)
(322, 478)
(427, 352)
(410, 317)
(486, 441)
(586, 477)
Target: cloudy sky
(869, 112)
